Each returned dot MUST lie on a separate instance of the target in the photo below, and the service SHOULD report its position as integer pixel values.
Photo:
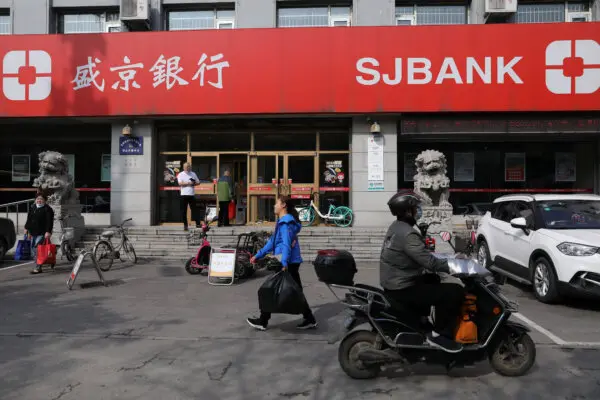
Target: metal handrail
(16, 204)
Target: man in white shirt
(187, 180)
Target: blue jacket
(286, 232)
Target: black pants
(224, 213)
(294, 270)
(191, 201)
(447, 298)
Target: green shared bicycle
(342, 216)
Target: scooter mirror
(446, 236)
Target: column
(596, 10)
(31, 16)
(477, 12)
(255, 14)
(132, 185)
(373, 12)
(370, 208)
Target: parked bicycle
(104, 250)
(67, 235)
(342, 216)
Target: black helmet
(403, 201)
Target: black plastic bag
(280, 294)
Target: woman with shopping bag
(284, 245)
(40, 221)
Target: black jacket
(40, 220)
(404, 258)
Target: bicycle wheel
(307, 216)
(103, 252)
(67, 251)
(129, 251)
(343, 216)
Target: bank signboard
(453, 68)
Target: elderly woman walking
(40, 221)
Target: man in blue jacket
(284, 245)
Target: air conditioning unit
(135, 11)
(500, 6)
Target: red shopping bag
(231, 210)
(46, 253)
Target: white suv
(550, 241)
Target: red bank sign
(501, 67)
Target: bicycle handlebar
(124, 222)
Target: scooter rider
(410, 274)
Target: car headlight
(574, 249)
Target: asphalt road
(158, 333)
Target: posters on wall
(514, 167)
(172, 169)
(410, 169)
(565, 167)
(375, 174)
(105, 168)
(464, 167)
(334, 173)
(21, 171)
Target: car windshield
(571, 214)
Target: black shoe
(443, 343)
(307, 324)
(185, 228)
(256, 323)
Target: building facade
(340, 111)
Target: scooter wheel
(348, 351)
(189, 267)
(513, 356)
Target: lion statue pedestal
(433, 186)
(56, 181)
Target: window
(200, 19)
(5, 23)
(313, 16)
(89, 23)
(431, 15)
(569, 11)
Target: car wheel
(483, 254)
(545, 283)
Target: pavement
(158, 333)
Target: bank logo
(26, 75)
(573, 67)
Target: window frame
(217, 22)
(415, 6)
(104, 20)
(331, 19)
(569, 15)
(6, 12)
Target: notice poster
(172, 169)
(21, 171)
(565, 167)
(514, 167)
(333, 175)
(375, 163)
(464, 167)
(105, 168)
(410, 168)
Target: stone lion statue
(55, 179)
(431, 182)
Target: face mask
(419, 213)
(39, 205)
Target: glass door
(263, 186)
(206, 167)
(301, 177)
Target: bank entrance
(302, 159)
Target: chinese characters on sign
(375, 162)
(514, 167)
(165, 71)
(131, 145)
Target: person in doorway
(225, 194)
(188, 180)
(284, 243)
(411, 275)
(39, 224)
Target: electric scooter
(383, 333)
(199, 263)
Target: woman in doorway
(284, 243)
(40, 220)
